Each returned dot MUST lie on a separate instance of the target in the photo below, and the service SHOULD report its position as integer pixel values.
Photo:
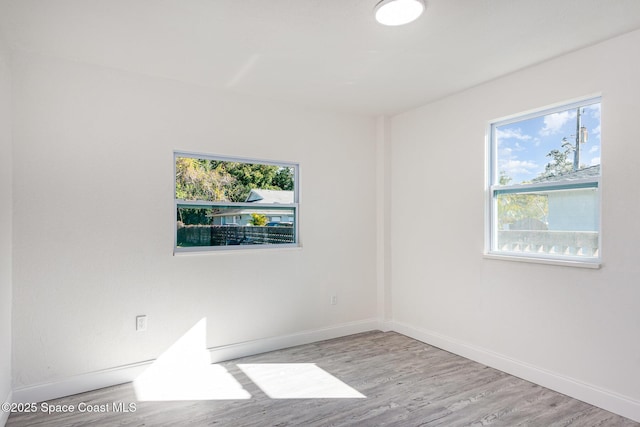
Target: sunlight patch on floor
(185, 372)
(298, 381)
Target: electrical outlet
(334, 299)
(141, 323)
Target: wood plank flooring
(406, 383)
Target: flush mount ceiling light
(398, 12)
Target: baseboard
(124, 374)
(79, 383)
(4, 415)
(386, 325)
(249, 348)
(602, 398)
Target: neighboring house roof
(257, 195)
(273, 197)
(258, 210)
(587, 172)
(270, 196)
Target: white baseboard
(249, 348)
(4, 416)
(602, 398)
(123, 374)
(385, 325)
(79, 383)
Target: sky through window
(523, 146)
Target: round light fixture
(398, 12)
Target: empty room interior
(303, 212)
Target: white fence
(576, 243)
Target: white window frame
(191, 203)
(492, 189)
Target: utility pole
(576, 152)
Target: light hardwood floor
(406, 383)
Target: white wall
(6, 208)
(93, 192)
(577, 323)
(92, 204)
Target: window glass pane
(518, 211)
(228, 181)
(235, 225)
(560, 222)
(563, 145)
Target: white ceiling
(323, 53)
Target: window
(228, 203)
(544, 185)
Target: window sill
(548, 261)
(226, 250)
